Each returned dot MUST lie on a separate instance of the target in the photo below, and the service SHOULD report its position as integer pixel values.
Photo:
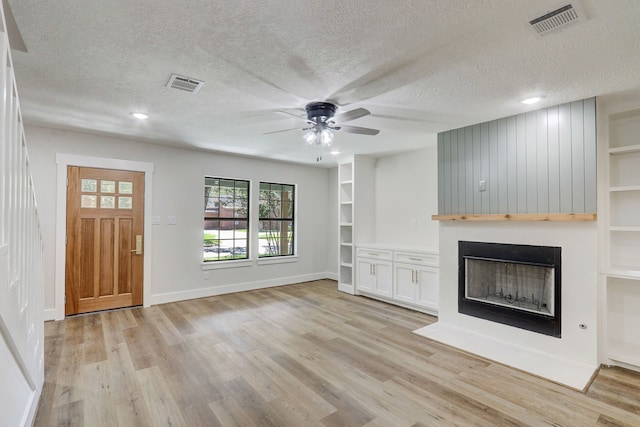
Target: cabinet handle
(373, 253)
(415, 259)
(374, 269)
(417, 276)
(413, 272)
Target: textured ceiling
(419, 66)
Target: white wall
(178, 175)
(407, 190)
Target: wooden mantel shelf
(518, 217)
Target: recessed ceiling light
(335, 152)
(532, 100)
(140, 116)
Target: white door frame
(65, 160)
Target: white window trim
(277, 259)
(217, 265)
(280, 259)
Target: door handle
(138, 249)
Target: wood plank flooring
(297, 355)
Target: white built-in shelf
(348, 202)
(625, 188)
(346, 264)
(346, 244)
(346, 224)
(624, 272)
(346, 182)
(624, 228)
(625, 149)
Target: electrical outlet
(482, 185)
(207, 275)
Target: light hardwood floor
(297, 355)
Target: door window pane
(89, 185)
(125, 202)
(87, 201)
(125, 187)
(107, 186)
(107, 202)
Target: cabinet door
(404, 287)
(427, 287)
(383, 278)
(365, 280)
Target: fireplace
(516, 285)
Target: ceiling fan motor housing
(320, 109)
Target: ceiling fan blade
(296, 116)
(359, 130)
(279, 131)
(351, 115)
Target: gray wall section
(542, 161)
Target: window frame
(229, 262)
(292, 244)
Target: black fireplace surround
(542, 256)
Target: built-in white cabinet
(404, 277)
(621, 266)
(355, 221)
(416, 279)
(374, 273)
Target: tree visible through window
(226, 219)
(276, 222)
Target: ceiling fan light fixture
(310, 136)
(326, 137)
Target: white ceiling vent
(556, 19)
(185, 83)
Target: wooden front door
(105, 212)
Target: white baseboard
(349, 289)
(30, 411)
(332, 276)
(49, 314)
(571, 373)
(228, 289)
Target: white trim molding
(65, 160)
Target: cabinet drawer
(417, 258)
(374, 253)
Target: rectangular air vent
(556, 19)
(185, 83)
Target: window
(226, 219)
(276, 222)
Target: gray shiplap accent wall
(542, 161)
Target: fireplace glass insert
(517, 285)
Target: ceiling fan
(322, 122)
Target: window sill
(277, 260)
(217, 265)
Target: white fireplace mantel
(571, 359)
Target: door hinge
(65, 300)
